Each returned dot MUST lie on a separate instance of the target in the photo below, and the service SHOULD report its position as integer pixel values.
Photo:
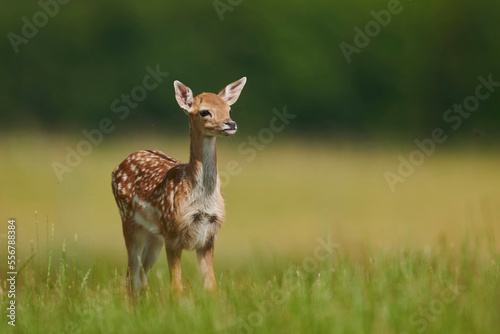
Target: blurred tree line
(89, 53)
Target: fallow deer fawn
(164, 201)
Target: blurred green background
(427, 58)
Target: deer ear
(183, 95)
(232, 91)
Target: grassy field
(314, 241)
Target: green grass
(421, 260)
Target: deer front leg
(206, 265)
(174, 267)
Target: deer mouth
(229, 128)
(228, 132)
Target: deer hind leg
(152, 249)
(135, 239)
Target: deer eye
(204, 113)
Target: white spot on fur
(146, 215)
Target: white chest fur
(201, 212)
(199, 219)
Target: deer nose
(231, 125)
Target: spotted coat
(151, 191)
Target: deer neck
(202, 166)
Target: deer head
(210, 114)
